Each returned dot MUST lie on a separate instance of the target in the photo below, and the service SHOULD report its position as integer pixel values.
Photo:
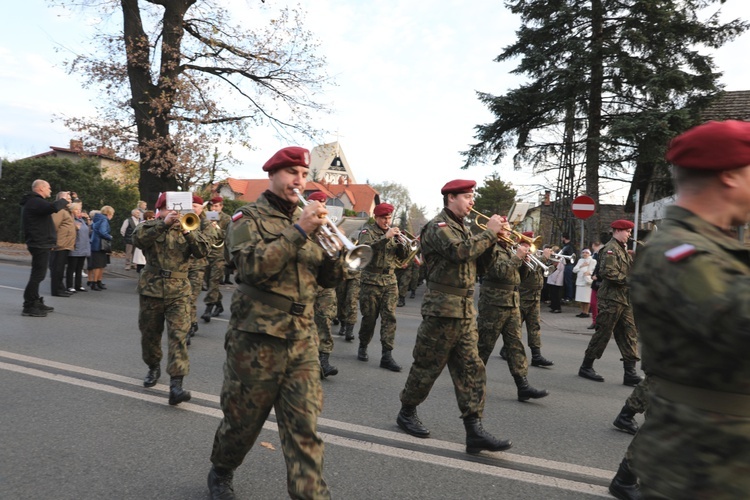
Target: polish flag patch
(678, 253)
(441, 224)
(236, 216)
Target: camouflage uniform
(164, 290)
(413, 276)
(499, 308)
(530, 291)
(271, 344)
(448, 332)
(693, 312)
(615, 311)
(325, 311)
(347, 294)
(216, 262)
(379, 289)
(403, 277)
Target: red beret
(712, 146)
(383, 209)
(197, 199)
(217, 199)
(528, 234)
(458, 186)
(622, 224)
(161, 202)
(318, 196)
(292, 156)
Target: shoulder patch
(609, 252)
(364, 231)
(678, 253)
(442, 224)
(236, 216)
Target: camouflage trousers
(413, 277)
(325, 311)
(152, 314)
(348, 300)
(638, 399)
(530, 315)
(685, 452)
(403, 276)
(451, 341)
(377, 300)
(263, 372)
(617, 318)
(214, 273)
(196, 282)
(493, 321)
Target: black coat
(36, 219)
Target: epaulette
(237, 216)
(680, 252)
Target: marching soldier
(216, 263)
(448, 332)
(530, 290)
(272, 354)
(348, 302)
(379, 288)
(164, 293)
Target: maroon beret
(528, 234)
(622, 224)
(318, 196)
(383, 209)
(161, 202)
(712, 146)
(293, 156)
(458, 186)
(217, 199)
(197, 199)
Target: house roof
(731, 105)
(101, 152)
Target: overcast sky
(404, 105)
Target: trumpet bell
(358, 257)
(190, 221)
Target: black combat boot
(34, 311)
(631, 377)
(625, 485)
(625, 421)
(218, 309)
(220, 484)
(154, 372)
(335, 321)
(409, 421)
(587, 370)
(177, 394)
(526, 391)
(349, 332)
(362, 353)
(401, 302)
(537, 359)
(478, 439)
(206, 316)
(42, 306)
(342, 330)
(413, 295)
(325, 368)
(387, 362)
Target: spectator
(584, 268)
(126, 231)
(568, 282)
(66, 241)
(138, 258)
(142, 208)
(81, 250)
(555, 284)
(41, 237)
(100, 230)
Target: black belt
(165, 273)
(462, 292)
(534, 288)
(498, 286)
(276, 301)
(384, 271)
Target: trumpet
(558, 257)
(357, 256)
(190, 221)
(410, 242)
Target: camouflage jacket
(503, 267)
(690, 289)
(167, 250)
(614, 268)
(213, 238)
(450, 253)
(532, 282)
(217, 248)
(276, 265)
(385, 253)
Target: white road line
(330, 438)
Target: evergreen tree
(495, 196)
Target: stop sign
(583, 207)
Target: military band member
(197, 266)
(500, 309)
(271, 344)
(379, 288)
(530, 290)
(615, 311)
(164, 294)
(347, 294)
(216, 263)
(448, 332)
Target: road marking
(362, 445)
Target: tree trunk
(593, 135)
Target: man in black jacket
(41, 237)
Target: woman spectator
(77, 256)
(100, 230)
(584, 270)
(138, 258)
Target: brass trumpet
(357, 256)
(557, 257)
(410, 242)
(190, 221)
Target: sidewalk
(17, 252)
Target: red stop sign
(584, 207)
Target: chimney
(546, 198)
(76, 145)
(105, 151)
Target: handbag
(106, 246)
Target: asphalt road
(77, 423)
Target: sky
(403, 108)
